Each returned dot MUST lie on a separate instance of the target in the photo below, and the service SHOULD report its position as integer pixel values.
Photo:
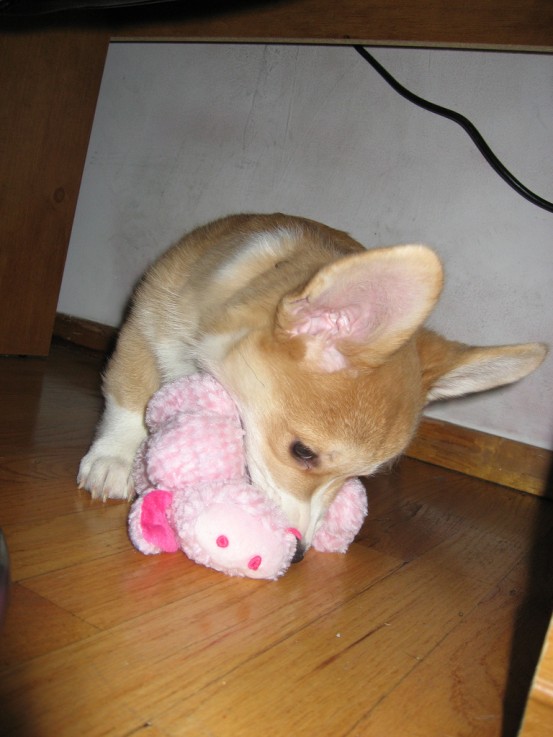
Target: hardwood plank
(39, 399)
(333, 670)
(146, 663)
(79, 701)
(416, 508)
(439, 604)
(460, 687)
(155, 582)
(48, 416)
(32, 493)
(22, 640)
(147, 582)
(102, 526)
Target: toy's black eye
(303, 453)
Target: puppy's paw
(106, 476)
(106, 469)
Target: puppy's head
(335, 387)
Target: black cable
(473, 132)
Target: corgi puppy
(319, 341)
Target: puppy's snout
(300, 552)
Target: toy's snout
(234, 540)
(254, 562)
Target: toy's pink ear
(155, 523)
(367, 304)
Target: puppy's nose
(300, 552)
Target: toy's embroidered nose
(254, 563)
(300, 552)
(222, 541)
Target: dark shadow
(19, 15)
(13, 719)
(533, 617)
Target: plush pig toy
(194, 493)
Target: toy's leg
(343, 519)
(130, 380)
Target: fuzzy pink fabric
(194, 492)
(154, 521)
(234, 529)
(343, 519)
(195, 434)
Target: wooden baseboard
(85, 333)
(475, 453)
(489, 457)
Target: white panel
(185, 133)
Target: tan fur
(245, 298)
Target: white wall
(185, 133)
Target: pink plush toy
(194, 493)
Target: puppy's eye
(301, 452)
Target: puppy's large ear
(365, 305)
(451, 369)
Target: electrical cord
(471, 129)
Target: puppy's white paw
(105, 471)
(106, 476)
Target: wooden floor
(430, 625)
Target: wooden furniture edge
(472, 452)
(327, 41)
(490, 24)
(50, 79)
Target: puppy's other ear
(365, 305)
(451, 369)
